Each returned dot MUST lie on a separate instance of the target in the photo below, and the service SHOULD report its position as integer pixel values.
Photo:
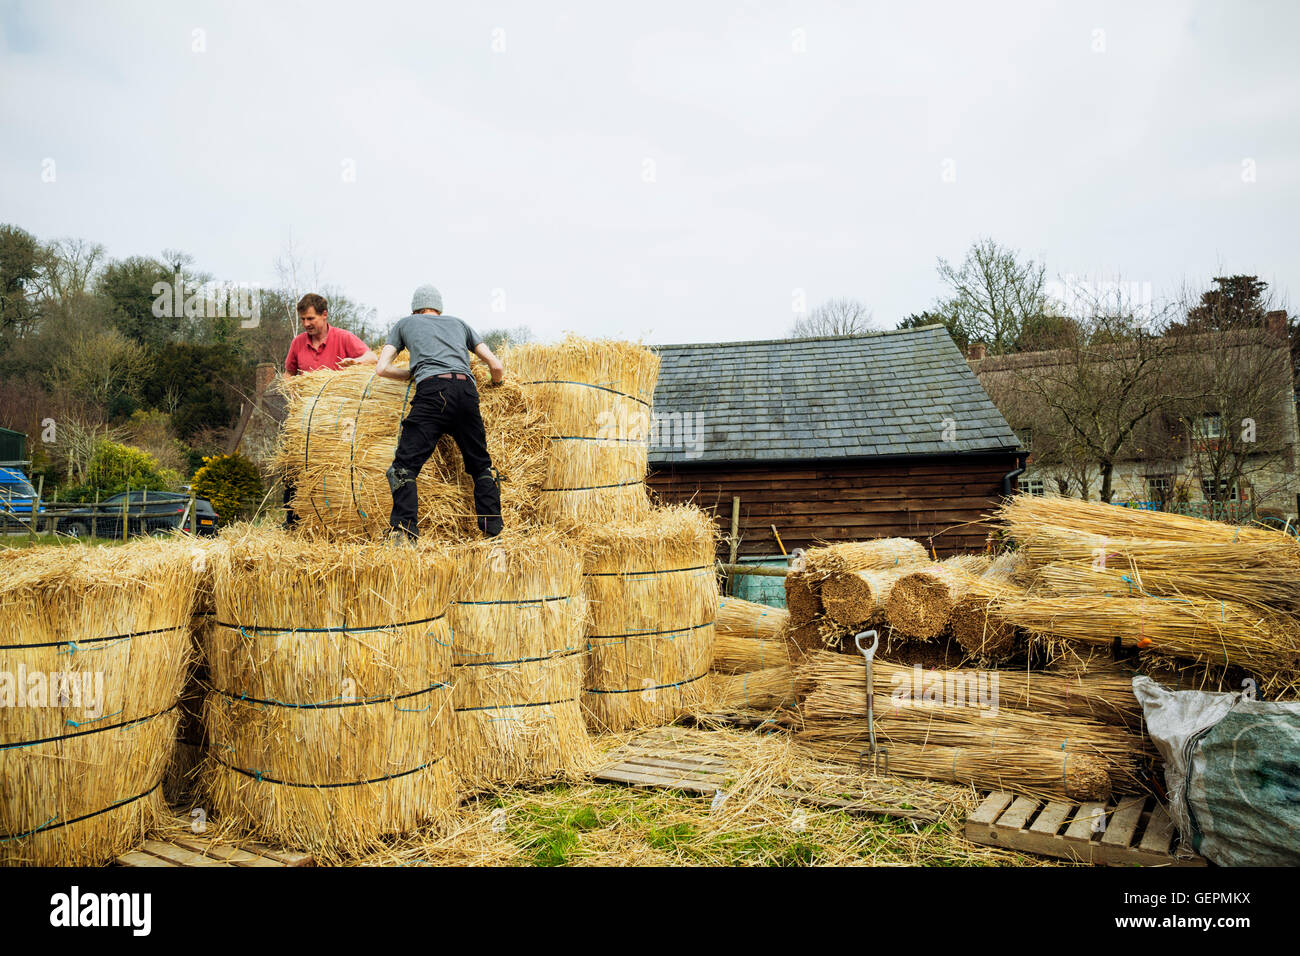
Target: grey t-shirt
(436, 343)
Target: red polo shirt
(338, 344)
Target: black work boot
(487, 503)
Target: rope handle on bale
(332, 702)
(63, 823)
(617, 484)
(633, 690)
(628, 574)
(603, 388)
(262, 778)
(627, 441)
(673, 630)
(243, 629)
(544, 703)
(82, 733)
(76, 645)
(561, 597)
(553, 655)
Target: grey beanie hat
(426, 297)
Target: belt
(456, 375)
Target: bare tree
(1093, 397)
(834, 317)
(995, 297)
(97, 364)
(67, 268)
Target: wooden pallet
(195, 850)
(663, 761)
(1136, 830)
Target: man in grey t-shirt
(446, 402)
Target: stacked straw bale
(1172, 587)
(84, 752)
(597, 397)
(518, 624)
(340, 435)
(653, 596)
(858, 575)
(330, 717)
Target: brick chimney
(976, 351)
(1275, 323)
(263, 378)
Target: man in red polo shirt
(320, 345)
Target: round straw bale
(94, 653)
(330, 717)
(653, 594)
(597, 398)
(520, 654)
(339, 436)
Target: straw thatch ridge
(519, 659)
(653, 595)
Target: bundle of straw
(653, 595)
(1252, 573)
(879, 554)
(748, 619)
(980, 631)
(342, 429)
(803, 598)
(766, 689)
(520, 652)
(921, 601)
(833, 686)
(1027, 512)
(597, 397)
(916, 723)
(739, 655)
(852, 598)
(1032, 770)
(94, 653)
(1215, 633)
(330, 719)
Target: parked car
(17, 496)
(152, 512)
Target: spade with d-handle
(878, 765)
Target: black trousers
(443, 406)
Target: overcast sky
(676, 172)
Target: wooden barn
(832, 439)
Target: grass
(755, 822)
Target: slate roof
(882, 394)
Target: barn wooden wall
(933, 500)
